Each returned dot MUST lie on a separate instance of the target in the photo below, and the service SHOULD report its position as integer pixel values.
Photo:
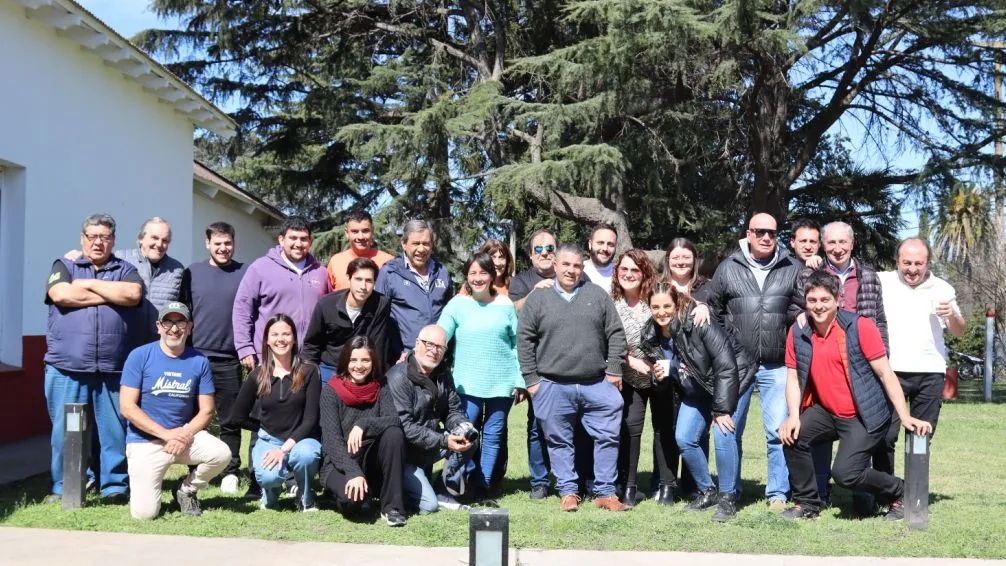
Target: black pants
(227, 383)
(851, 467)
(383, 463)
(664, 415)
(924, 394)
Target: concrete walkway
(31, 547)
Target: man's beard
(596, 261)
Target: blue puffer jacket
(92, 339)
(872, 406)
(412, 307)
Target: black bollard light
(76, 447)
(916, 499)
(488, 537)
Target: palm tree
(964, 226)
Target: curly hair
(648, 274)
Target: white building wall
(251, 240)
(89, 141)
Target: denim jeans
(327, 372)
(598, 405)
(694, 418)
(480, 470)
(537, 455)
(101, 392)
(304, 461)
(771, 383)
(418, 490)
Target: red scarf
(352, 394)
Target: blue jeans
(771, 383)
(418, 490)
(598, 405)
(493, 436)
(304, 460)
(537, 455)
(694, 418)
(327, 372)
(101, 391)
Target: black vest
(872, 406)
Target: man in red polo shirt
(839, 386)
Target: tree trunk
(769, 141)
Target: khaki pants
(148, 463)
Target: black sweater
(338, 419)
(209, 291)
(283, 414)
(330, 328)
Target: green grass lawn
(968, 508)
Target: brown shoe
(569, 503)
(611, 503)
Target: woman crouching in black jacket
(363, 441)
(708, 379)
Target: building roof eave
(73, 22)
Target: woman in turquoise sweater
(483, 324)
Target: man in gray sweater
(571, 347)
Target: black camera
(467, 430)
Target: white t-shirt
(600, 277)
(915, 332)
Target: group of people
(357, 377)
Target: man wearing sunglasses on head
(754, 293)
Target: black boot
(704, 500)
(726, 508)
(665, 495)
(629, 497)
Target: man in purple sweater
(287, 280)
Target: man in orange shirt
(360, 233)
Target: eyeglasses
(633, 270)
(762, 232)
(432, 345)
(539, 249)
(172, 324)
(104, 238)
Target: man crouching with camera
(425, 397)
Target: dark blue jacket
(872, 406)
(412, 308)
(92, 339)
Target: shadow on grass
(23, 493)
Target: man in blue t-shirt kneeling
(166, 394)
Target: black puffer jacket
(423, 403)
(714, 360)
(869, 297)
(757, 318)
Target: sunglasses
(762, 232)
(539, 249)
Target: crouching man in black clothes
(839, 386)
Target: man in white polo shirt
(919, 307)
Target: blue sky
(125, 16)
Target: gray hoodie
(759, 269)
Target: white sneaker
(229, 485)
(451, 504)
